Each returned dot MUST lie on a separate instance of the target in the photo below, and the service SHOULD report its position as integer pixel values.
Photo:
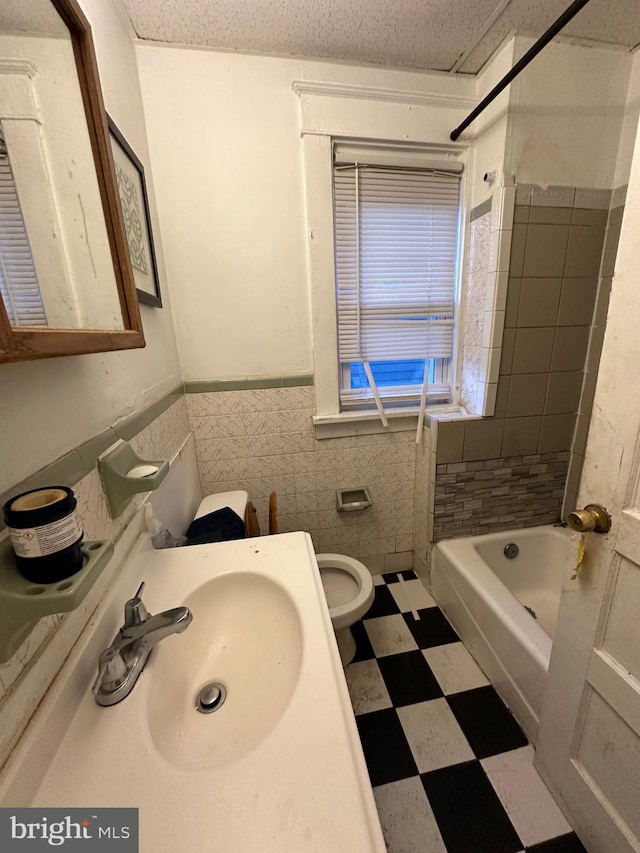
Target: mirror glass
(56, 263)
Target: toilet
(347, 583)
(348, 588)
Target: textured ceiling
(439, 35)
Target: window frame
(318, 150)
(405, 159)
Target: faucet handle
(135, 613)
(112, 671)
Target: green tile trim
(204, 386)
(264, 382)
(299, 380)
(131, 426)
(76, 463)
(480, 209)
(169, 399)
(90, 450)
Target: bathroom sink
(246, 635)
(277, 766)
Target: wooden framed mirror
(66, 282)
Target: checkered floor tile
(451, 770)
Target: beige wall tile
(552, 196)
(556, 433)
(513, 301)
(550, 215)
(545, 250)
(521, 435)
(450, 441)
(527, 394)
(563, 394)
(532, 350)
(570, 348)
(483, 439)
(581, 433)
(584, 216)
(521, 213)
(616, 215)
(539, 300)
(610, 250)
(506, 357)
(602, 302)
(588, 391)
(577, 301)
(502, 396)
(518, 243)
(584, 250)
(596, 339)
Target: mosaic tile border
(505, 493)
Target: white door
(589, 737)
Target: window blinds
(396, 233)
(18, 280)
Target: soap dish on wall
(349, 500)
(23, 603)
(125, 474)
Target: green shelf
(23, 603)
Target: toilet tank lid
(236, 500)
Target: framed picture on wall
(135, 208)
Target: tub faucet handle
(592, 518)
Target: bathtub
(489, 599)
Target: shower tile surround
(516, 469)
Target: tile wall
(476, 273)
(161, 439)
(263, 440)
(562, 254)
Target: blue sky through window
(389, 373)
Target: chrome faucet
(120, 665)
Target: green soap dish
(117, 466)
(23, 603)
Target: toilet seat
(343, 615)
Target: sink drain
(211, 697)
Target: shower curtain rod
(533, 51)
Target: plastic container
(45, 533)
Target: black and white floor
(451, 770)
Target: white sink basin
(246, 634)
(278, 767)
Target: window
(19, 287)
(396, 250)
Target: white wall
(489, 130)
(566, 115)
(51, 406)
(224, 133)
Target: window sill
(368, 423)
